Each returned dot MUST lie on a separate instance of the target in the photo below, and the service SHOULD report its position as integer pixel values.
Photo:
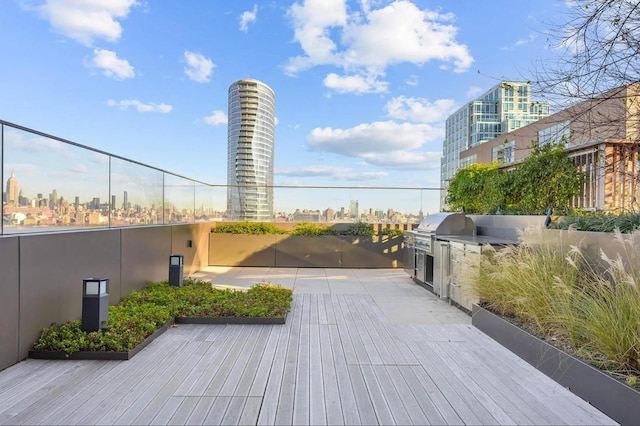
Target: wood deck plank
(234, 410)
(188, 405)
(167, 411)
(301, 401)
(253, 363)
(317, 409)
(397, 407)
(251, 411)
(287, 386)
(406, 396)
(216, 413)
(242, 363)
(347, 400)
(201, 410)
(380, 405)
(333, 407)
(230, 361)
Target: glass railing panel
(51, 185)
(331, 204)
(138, 192)
(211, 203)
(179, 199)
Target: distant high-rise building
(353, 209)
(502, 109)
(13, 191)
(250, 145)
(125, 200)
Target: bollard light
(95, 303)
(176, 267)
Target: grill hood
(446, 224)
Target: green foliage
(546, 178)
(477, 188)
(600, 222)
(392, 232)
(557, 291)
(251, 228)
(307, 229)
(359, 229)
(142, 312)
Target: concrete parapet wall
(295, 251)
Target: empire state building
(13, 191)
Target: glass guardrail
(50, 184)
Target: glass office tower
(250, 143)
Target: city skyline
(57, 209)
(354, 108)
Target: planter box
(242, 250)
(230, 320)
(609, 395)
(372, 252)
(296, 251)
(101, 355)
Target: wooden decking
(347, 355)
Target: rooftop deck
(359, 347)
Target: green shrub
(392, 232)
(599, 222)
(359, 229)
(307, 229)
(251, 228)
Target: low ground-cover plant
(599, 222)
(142, 312)
(559, 294)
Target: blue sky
(362, 87)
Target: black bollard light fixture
(95, 303)
(176, 268)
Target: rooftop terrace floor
(364, 346)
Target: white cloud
(385, 144)
(474, 91)
(337, 173)
(412, 80)
(111, 65)
(248, 17)
(198, 68)
(87, 20)
(357, 84)
(520, 42)
(367, 41)
(419, 109)
(217, 118)
(405, 160)
(139, 106)
(35, 144)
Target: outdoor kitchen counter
(475, 239)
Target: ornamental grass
(588, 307)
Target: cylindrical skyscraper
(250, 141)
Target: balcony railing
(51, 184)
